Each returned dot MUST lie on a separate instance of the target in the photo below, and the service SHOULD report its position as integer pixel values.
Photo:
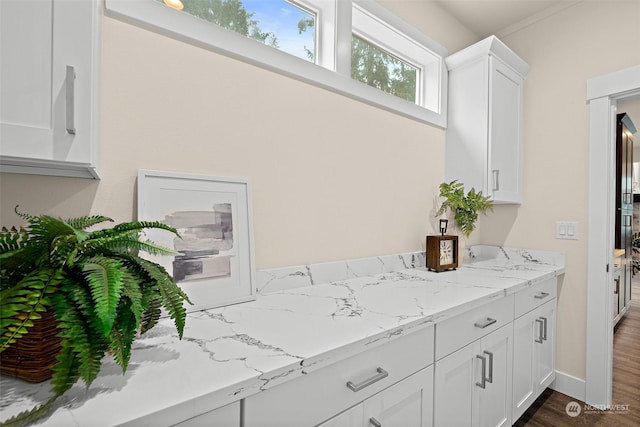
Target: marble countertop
(230, 353)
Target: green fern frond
(128, 243)
(12, 239)
(152, 301)
(88, 345)
(81, 297)
(23, 215)
(122, 335)
(84, 222)
(20, 305)
(65, 372)
(131, 291)
(25, 418)
(135, 226)
(105, 281)
(172, 296)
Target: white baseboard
(569, 385)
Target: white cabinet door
(534, 352)
(473, 385)
(455, 385)
(524, 381)
(49, 64)
(484, 141)
(350, 418)
(545, 355)
(492, 408)
(408, 403)
(505, 123)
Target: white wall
(332, 178)
(589, 39)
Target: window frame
(332, 70)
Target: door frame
(603, 93)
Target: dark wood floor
(550, 408)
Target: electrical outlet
(567, 230)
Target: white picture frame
(214, 264)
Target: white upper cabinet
(484, 133)
(49, 57)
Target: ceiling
(501, 17)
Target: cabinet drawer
(534, 296)
(458, 331)
(318, 396)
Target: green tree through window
(232, 15)
(276, 23)
(377, 68)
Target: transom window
(276, 23)
(377, 68)
(353, 47)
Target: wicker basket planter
(32, 356)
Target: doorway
(603, 94)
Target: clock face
(446, 252)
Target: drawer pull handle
(540, 330)
(544, 328)
(483, 373)
(70, 96)
(490, 377)
(374, 422)
(541, 295)
(487, 322)
(381, 374)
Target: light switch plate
(567, 230)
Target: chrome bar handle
(496, 179)
(70, 100)
(483, 379)
(617, 286)
(483, 324)
(539, 340)
(381, 374)
(544, 322)
(374, 422)
(490, 377)
(541, 295)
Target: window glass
(379, 69)
(276, 23)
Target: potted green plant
(101, 293)
(464, 207)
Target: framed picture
(214, 261)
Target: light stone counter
(230, 353)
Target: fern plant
(101, 293)
(465, 208)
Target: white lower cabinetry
(533, 355)
(473, 384)
(488, 369)
(408, 403)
